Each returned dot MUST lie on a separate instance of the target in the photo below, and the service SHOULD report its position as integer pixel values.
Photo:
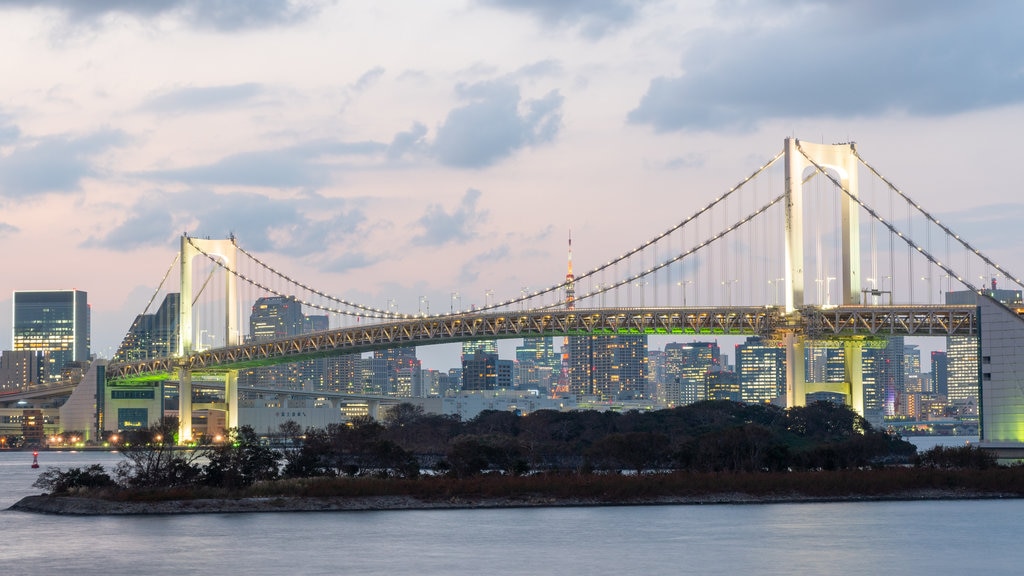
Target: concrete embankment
(78, 506)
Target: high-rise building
(722, 385)
(940, 364)
(55, 322)
(480, 370)
(607, 366)
(152, 335)
(962, 352)
(275, 317)
(397, 372)
(21, 369)
(686, 364)
(488, 345)
(762, 371)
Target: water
(947, 537)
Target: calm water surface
(950, 537)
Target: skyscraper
(686, 364)
(608, 366)
(152, 335)
(52, 321)
(962, 352)
(762, 371)
(276, 317)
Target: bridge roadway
(840, 322)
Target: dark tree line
(707, 436)
(713, 436)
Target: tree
(240, 461)
(151, 460)
(56, 482)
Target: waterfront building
(20, 369)
(55, 322)
(962, 352)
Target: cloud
(296, 226)
(369, 78)
(540, 69)
(304, 165)
(9, 132)
(441, 227)
(202, 99)
(220, 15)
(492, 125)
(54, 163)
(7, 229)
(348, 261)
(839, 60)
(470, 270)
(408, 142)
(594, 18)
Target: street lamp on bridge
(682, 289)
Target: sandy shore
(77, 506)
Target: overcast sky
(392, 150)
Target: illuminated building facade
(686, 364)
(607, 366)
(152, 335)
(55, 322)
(962, 352)
(761, 370)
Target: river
(941, 537)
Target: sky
(400, 149)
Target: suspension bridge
(815, 223)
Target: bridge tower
(226, 251)
(843, 160)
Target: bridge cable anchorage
(632, 278)
(373, 312)
(935, 221)
(611, 263)
(892, 228)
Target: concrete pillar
(852, 371)
(231, 397)
(796, 378)
(184, 405)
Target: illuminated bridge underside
(840, 322)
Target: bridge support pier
(373, 409)
(231, 397)
(796, 377)
(852, 372)
(184, 405)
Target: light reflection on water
(843, 538)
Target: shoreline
(82, 506)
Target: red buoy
(35, 459)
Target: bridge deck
(836, 322)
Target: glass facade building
(55, 322)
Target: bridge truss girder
(853, 322)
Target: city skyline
(347, 143)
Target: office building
(962, 352)
(55, 322)
(761, 370)
(152, 335)
(686, 365)
(609, 367)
